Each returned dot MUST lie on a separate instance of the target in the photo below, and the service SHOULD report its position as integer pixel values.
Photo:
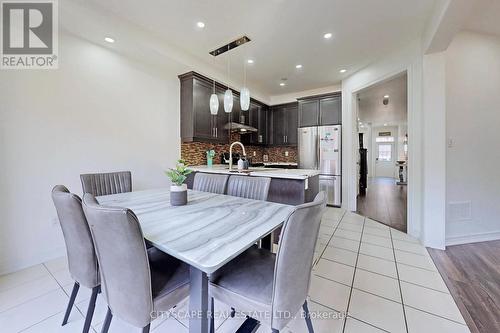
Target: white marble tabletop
(206, 233)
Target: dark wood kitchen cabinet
(284, 119)
(197, 124)
(256, 116)
(320, 110)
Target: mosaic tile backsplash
(195, 152)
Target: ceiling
(284, 33)
(485, 17)
(371, 109)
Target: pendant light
(245, 93)
(214, 101)
(228, 95)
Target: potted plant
(178, 189)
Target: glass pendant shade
(214, 104)
(245, 99)
(228, 101)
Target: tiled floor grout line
(330, 239)
(353, 276)
(399, 283)
(367, 323)
(64, 291)
(436, 315)
(29, 300)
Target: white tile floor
(382, 278)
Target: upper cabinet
(197, 124)
(284, 120)
(320, 110)
(256, 116)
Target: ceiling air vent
(231, 45)
(459, 211)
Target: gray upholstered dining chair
(259, 281)
(82, 260)
(207, 182)
(137, 283)
(106, 183)
(249, 187)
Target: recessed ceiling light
(282, 84)
(385, 124)
(250, 61)
(328, 35)
(343, 70)
(109, 40)
(200, 25)
(386, 96)
(298, 66)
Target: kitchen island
(288, 186)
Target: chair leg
(308, 318)
(107, 321)
(212, 315)
(90, 309)
(146, 329)
(74, 292)
(233, 312)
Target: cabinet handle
(216, 133)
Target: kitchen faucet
(231, 153)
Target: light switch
(451, 143)
(286, 153)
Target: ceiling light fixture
(282, 84)
(298, 66)
(386, 96)
(343, 71)
(385, 124)
(214, 100)
(245, 93)
(200, 25)
(228, 95)
(250, 61)
(328, 35)
(109, 39)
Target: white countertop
(259, 171)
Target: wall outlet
(286, 153)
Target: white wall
(472, 121)
(98, 112)
(434, 150)
(292, 97)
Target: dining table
(206, 233)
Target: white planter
(178, 195)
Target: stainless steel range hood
(240, 128)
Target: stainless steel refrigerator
(320, 148)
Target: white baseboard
(11, 265)
(474, 238)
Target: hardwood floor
(384, 202)
(472, 274)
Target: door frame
(413, 220)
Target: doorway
(383, 152)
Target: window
(385, 153)
(384, 139)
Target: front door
(384, 160)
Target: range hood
(240, 128)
